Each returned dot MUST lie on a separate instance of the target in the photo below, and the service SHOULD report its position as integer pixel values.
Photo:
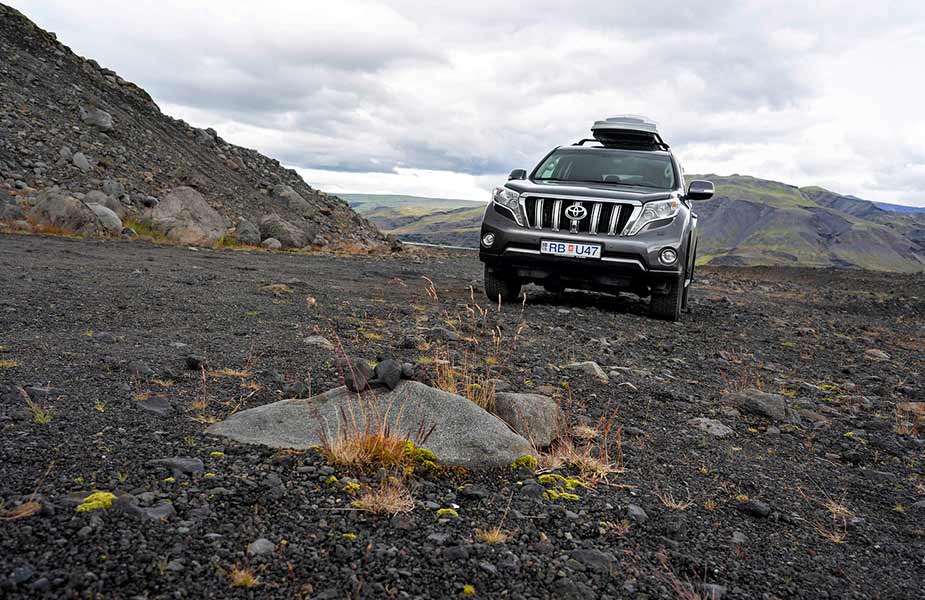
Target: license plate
(570, 249)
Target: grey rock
(288, 235)
(772, 406)
(456, 553)
(591, 368)
(636, 513)
(876, 355)
(356, 373)
(247, 233)
(320, 341)
(97, 117)
(185, 217)
(55, 207)
(11, 212)
(80, 161)
(295, 389)
(711, 426)
(179, 466)
(194, 362)
(111, 187)
(108, 219)
(388, 373)
(140, 369)
(597, 561)
(271, 244)
(113, 204)
(755, 508)
(712, 591)
(537, 418)
(158, 405)
(65, 153)
(739, 538)
(21, 575)
(261, 547)
(293, 200)
(463, 434)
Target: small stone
(179, 466)
(21, 575)
(711, 426)
(388, 373)
(473, 492)
(739, 538)
(195, 362)
(755, 508)
(271, 244)
(591, 368)
(297, 389)
(636, 513)
(80, 161)
(320, 341)
(140, 369)
(712, 591)
(456, 553)
(876, 355)
(600, 562)
(261, 547)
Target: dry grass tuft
(227, 372)
(40, 415)
(8, 364)
(492, 536)
(669, 501)
(243, 577)
(594, 460)
(277, 289)
(390, 498)
(585, 432)
(23, 511)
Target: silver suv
(609, 213)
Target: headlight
(656, 211)
(509, 199)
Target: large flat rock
(464, 434)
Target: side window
(549, 167)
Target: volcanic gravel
(132, 349)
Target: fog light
(668, 256)
(488, 239)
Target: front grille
(601, 218)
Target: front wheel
(498, 285)
(668, 304)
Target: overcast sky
(444, 99)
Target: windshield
(615, 167)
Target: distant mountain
(749, 221)
(899, 207)
(420, 219)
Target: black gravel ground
(94, 332)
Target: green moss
(527, 461)
(447, 512)
(96, 501)
(419, 454)
(560, 494)
(468, 590)
(330, 480)
(146, 231)
(217, 454)
(349, 536)
(351, 487)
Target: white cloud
(412, 95)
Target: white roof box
(628, 131)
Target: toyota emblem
(576, 212)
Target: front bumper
(626, 262)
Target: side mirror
(700, 190)
(517, 174)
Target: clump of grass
(390, 497)
(243, 577)
(492, 536)
(620, 529)
(145, 231)
(447, 512)
(668, 501)
(228, 372)
(277, 289)
(594, 460)
(40, 415)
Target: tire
(667, 306)
(496, 284)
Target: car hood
(589, 190)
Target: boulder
(271, 244)
(57, 208)
(464, 434)
(113, 204)
(185, 217)
(10, 212)
(537, 418)
(108, 218)
(288, 235)
(293, 200)
(247, 233)
(97, 117)
(112, 187)
(772, 406)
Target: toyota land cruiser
(609, 214)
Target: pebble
(261, 547)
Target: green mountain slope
(749, 221)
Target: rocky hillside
(70, 128)
(749, 222)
